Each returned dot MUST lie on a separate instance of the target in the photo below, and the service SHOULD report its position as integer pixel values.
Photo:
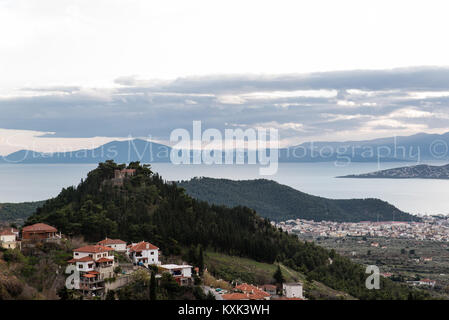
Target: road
(207, 289)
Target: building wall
(151, 256)
(32, 235)
(8, 238)
(121, 247)
(293, 291)
(85, 266)
(10, 244)
(95, 256)
(187, 272)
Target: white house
(94, 263)
(95, 259)
(292, 290)
(181, 273)
(116, 244)
(143, 253)
(8, 239)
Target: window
(76, 253)
(80, 266)
(152, 252)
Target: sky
(80, 73)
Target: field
(407, 260)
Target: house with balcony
(143, 254)
(181, 273)
(95, 263)
(40, 232)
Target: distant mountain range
(422, 171)
(280, 203)
(119, 151)
(421, 146)
(417, 147)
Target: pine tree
(153, 287)
(278, 277)
(201, 260)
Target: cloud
(339, 105)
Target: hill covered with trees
(16, 212)
(278, 202)
(146, 207)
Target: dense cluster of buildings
(431, 228)
(244, 291)
(97, 265)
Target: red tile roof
(88, 275)
(235, 296)
(94, 272)
(39, 227)
(104, 260)
(6, 232)
(252, 292)
(245, 287)
(111, 241)
(83, 259)
(142, 246)
(93, 249)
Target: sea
(31, 182)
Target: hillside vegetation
(146, 207)
(17, 212)
(278, 202)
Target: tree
(191, 255)
(66, 294)
(210, 296)
(110, 295)
(153, 286)
(278, 276)
(201, 260)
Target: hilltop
(144, 206)
(278, 202)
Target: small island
(421, 171)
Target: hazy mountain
(422, 171)
(417, 147)
(119, 151)
(420, 146)
(279, 202)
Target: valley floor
(421, 263)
